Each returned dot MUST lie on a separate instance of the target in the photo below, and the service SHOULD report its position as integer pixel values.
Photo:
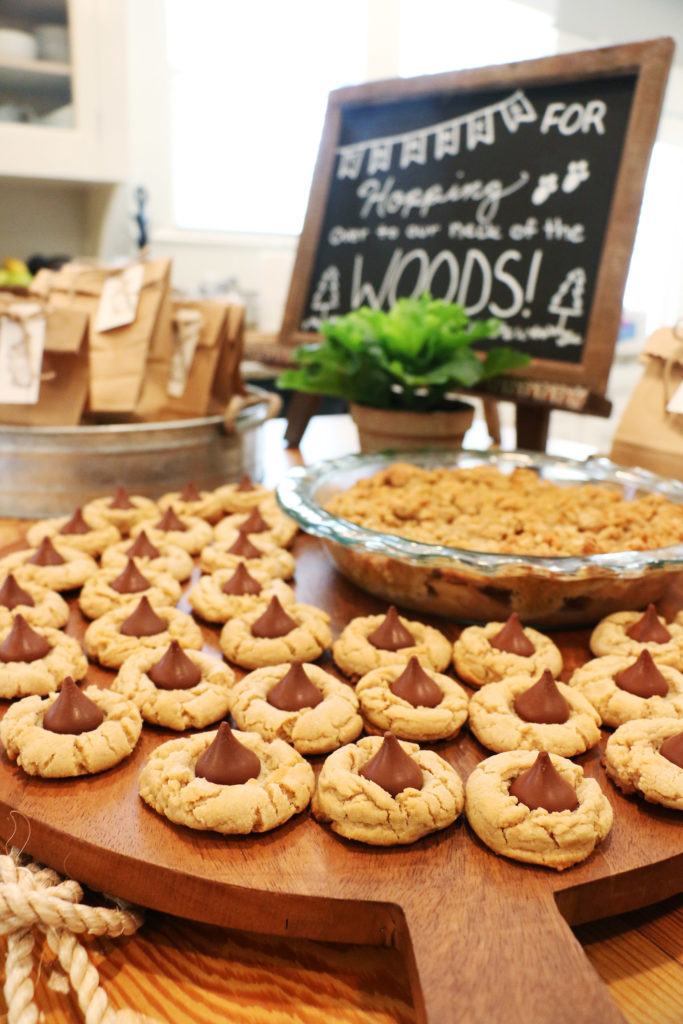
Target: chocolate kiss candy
(23, 643)
(12, 595)
(143, 547)
(672, 749)
(391, 634)
(175, 671)
(245, 484)
(244, 548)
(131, 580)
(143, 621)
(46, 554)
(121, 499)
(512, 639)
(649, 629)
(72, 712)
(642, 678)
(415, 686)
(543, 786)
(543, 703)
(226, 761)
(391, 768)
(241, 583)
(294, 691)
(274, 622)
(190, 492)
(254, 523)
(170, 520)
(76, 524)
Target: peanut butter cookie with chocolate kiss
(89, 532)
(258, 555)
(228, 593)
(266, 521)
(537, 807)
(121, 632)
(520, 714)
(40, 606)
(122, 509)
(302, 704)
(227, 781)
(175, 688)
(110, 588)
(386, 792)
(487, 654)
(628, 633)
(187, 532)
(646, 757)
(70, 733)
(372, 641)
(242, 496)
(52, 564)
(35, 661)
(626, 687)
(167, 558)
(273, 635)
(413, 702)
(192, 501)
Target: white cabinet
(64, 119)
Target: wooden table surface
(175, 970)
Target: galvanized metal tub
(48, 471)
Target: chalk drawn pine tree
(326, 296)
(568, 299)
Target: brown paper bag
(648, 435)
(214, 375)
(119, 358)
(64, 373)
(196, 393)
(228, 379)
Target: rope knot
(37, 899)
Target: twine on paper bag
(36, 898)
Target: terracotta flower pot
(390, 428)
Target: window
(249, 85)
(656, 272)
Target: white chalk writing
(383, 199)
(472, 281)
(570, 118)
(479, 128)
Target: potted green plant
(400, 370)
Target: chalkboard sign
(514, 190)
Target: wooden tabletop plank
(639, 956)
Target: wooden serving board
(484, 938)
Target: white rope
(84, 977)
(33, 897)
(19, 991)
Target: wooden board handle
(474, 958)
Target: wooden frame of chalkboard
(514, 189)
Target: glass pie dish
(478, 586)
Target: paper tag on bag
(675, 403)
(187, 327)
(119, 299)
(21, 355)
